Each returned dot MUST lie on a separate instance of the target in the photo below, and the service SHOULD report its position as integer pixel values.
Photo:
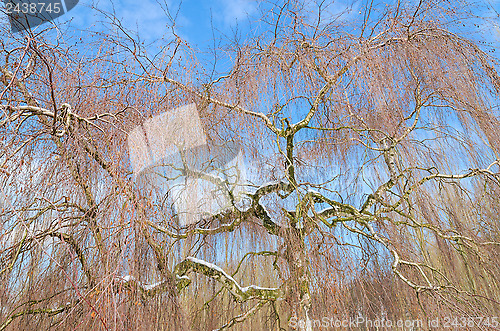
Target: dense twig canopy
(372, 155)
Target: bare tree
(372, 158)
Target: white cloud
(145, 17)
(236, 10)
(334, 11)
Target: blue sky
(193, 22)
(195, 18)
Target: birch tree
(370, 143)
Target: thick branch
(241, 294)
